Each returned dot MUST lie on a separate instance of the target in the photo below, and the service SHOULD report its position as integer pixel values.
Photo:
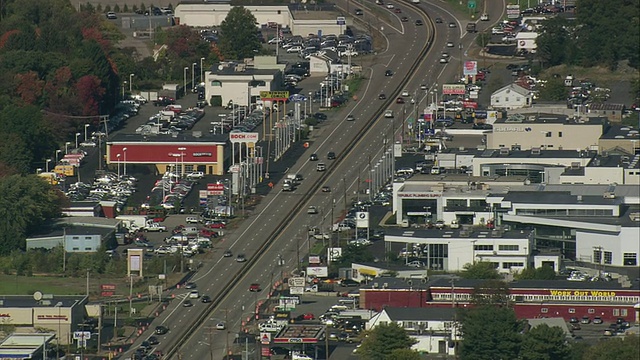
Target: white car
(195, 175)
(191, 220)
(275, 41)
(390, 6)
(405, 93)
(194, 294)
(444, 60)
(88, 144)
(294, 49)
(484, 17)
(450, 44)
(221, 325)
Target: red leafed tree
(29, 87)
(182, 41)
(95, 34)
(89, 93)
(6, 36)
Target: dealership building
(182, 153)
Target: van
(404, 171)
(294, 178)
(190, 230)
(194, 294)
(388, 114)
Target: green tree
(238, 34)
(403, 354)
(380, 342)
(480, 270)
(625, 348)
(553, 90)
(491, 292)
(489, 333)
(483, 39)
(544, 343)
(541, 273)
(553, 42)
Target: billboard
(513, 11)
(274, 95)
(453, 89)
(318, 271)
(362, 218)
(215, 189)
(470, 68)
(243, 137)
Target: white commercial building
(546, 131)
(434, 329)
(511, 96)
(241, 83)
(526, 41)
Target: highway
(356, 143)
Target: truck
(66, 170)
(133, 222)
(51, 177)
(288, 185)
(471, 27)
(363, 314)
(155, 227)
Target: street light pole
(181, 149)
(77, 134)
(130, 82)
(201, 69)
(58, 153)
(124, 151)
(118, 157)
(66, 147)
(47, 165)
(86, 126)
(185, 80)
(123, 87)
(193, 75)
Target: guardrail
(305, 197)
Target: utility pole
(226, 316)
(87, 282)
(99, 328)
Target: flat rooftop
(48, 300)
(220, 139)
(557, 197)
(536, 154)
(306, 333)
(542, 118)
(448, 233)
(542, 284)
(621, 132)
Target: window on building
(591, 311)
(547, 134)
(478, 203)
(559, 133)
(216, 83)
(623, 312)
(608, 257)
(544, 310)
(76, 238)
(518, 99)
(506, 99)
(508, 247)
(597, 256)
(616, 312)
(88, 249)
(483, 247)
(438, 256)
(630, 259)
(76, 249)
(509, 265)
(458, 203)
(572, 311)
(87, 237)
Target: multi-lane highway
(193, 336)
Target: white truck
(133, 222)
(155, 227)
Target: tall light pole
(185, 80)
(124, 85)
(66, 147)
(57, 153)
(47, 165)
(118, 157)
(86, 126)
(182, 149)
(130, 82)
(77, 135)
(201, 69)
(124, 151)
(193, 76)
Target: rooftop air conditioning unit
(609, 195)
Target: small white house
(435, 329)
(512, 96)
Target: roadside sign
(296, 282)
(265, 338)
(215, 189)
(471, 4)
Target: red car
(254, 287)
(397, 10)
(399, 100)
(308, 316)
(215, 225)
(209, 233)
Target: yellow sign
(582, 293)
(369, 272)
(274, 95)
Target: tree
(383, 340)
(238, 34)
(480, 270)
(553, 41)
(544, 343)
(541, 273)
(489, 333)
(404, 354)
(491, 292)
(553, 90)
(625, 348)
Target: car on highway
(399, 100)
(359, 12)
(452, 25)
(321, 167)
(390, 6)
(382, 97)
(424, 87)
(326, 189)
(405, 93)
(161, 330)
(194, 294)
(313, 157)
(152, 340)
(241, 258)
(187, 303)
(388, 72)
(350, 117)
(227, 253)
(397, 10)
(404, 19)
(312, 210)
(255, 287)
(444, 60)
(205, 299)
(331, 155)
(320, 116)
(221, 325)
(438, 20)
(419, 22)
(450, 44)
(190, 285)
(484, 17)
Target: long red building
(529, 298)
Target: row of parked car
(343, 45)
(108, 186)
